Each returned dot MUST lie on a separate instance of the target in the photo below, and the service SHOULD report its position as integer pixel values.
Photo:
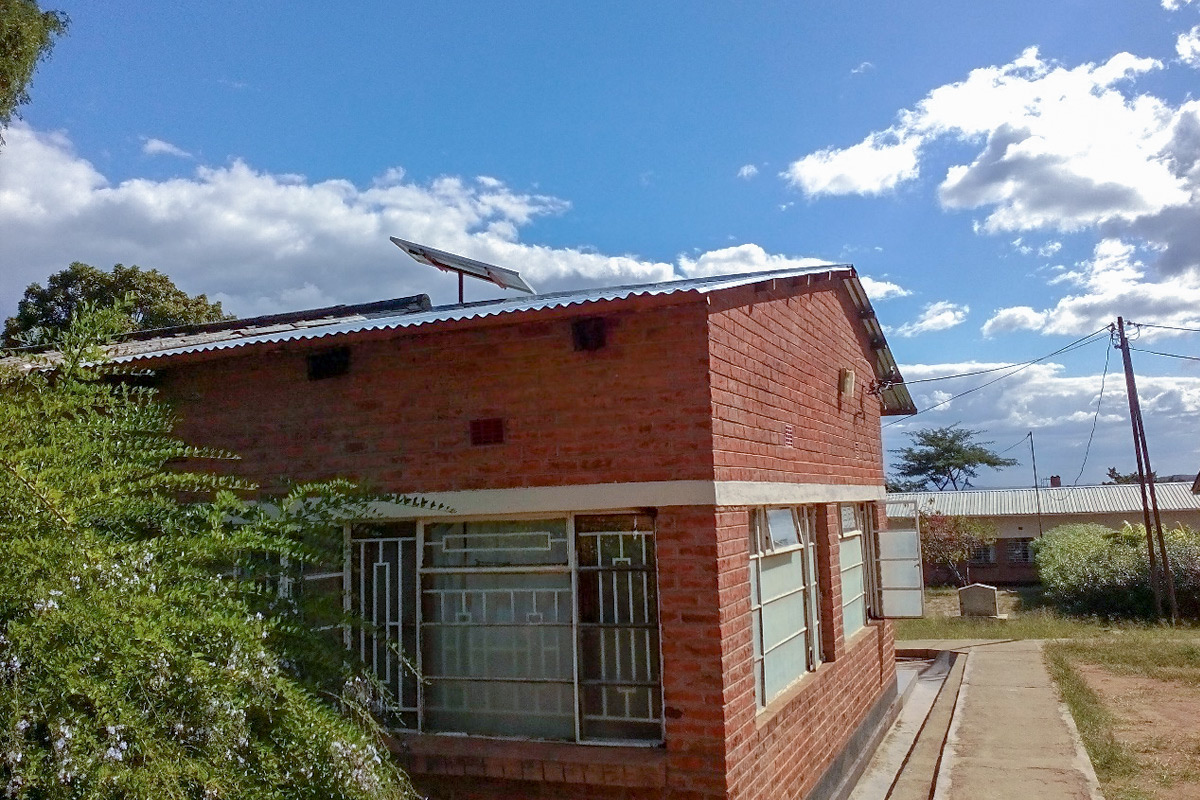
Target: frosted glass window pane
(850, 521)
(900, 574)
(781, 574)
(542, 711)
(852, 583)
(850, 552)
(854, 616)
(782, 619)
(495, 544)
(783, 527)
(898, 544)
(784, 666)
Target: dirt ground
(1159, 721)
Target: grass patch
(1112, 760)
(1030, 616)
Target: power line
(1087, 450)
(1168, 355)
(1080, 342)
(975, 372)
(1020, 442)
(1165, 327)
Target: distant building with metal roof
(1021, 515)
(1124, 498)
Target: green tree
(153, 301)
(1115, 477)
(950, 541)
(945, 458)
(152, 648)
(26, 35)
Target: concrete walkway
(996, 732)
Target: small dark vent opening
(329, 364)
(589, 333)
(487, 431)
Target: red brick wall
(636, 410)
(776, 356)
(782, 751)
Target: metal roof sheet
(1125, 498)
(357, 319)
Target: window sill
(785, 697)
(555, 762)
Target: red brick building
(657, 574)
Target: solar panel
(449, 262)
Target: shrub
(1093, 569)
(150, 648)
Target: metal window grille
(784, 598)
(526, 628)
(983, 556)
(1020, 551)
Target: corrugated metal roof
(1125, 498)
(245, 336)
(392, 315)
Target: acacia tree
(1115, 477)
(151, 299)
(151, 648)
(945, 458)
(26, 35)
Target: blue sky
(1007, 177)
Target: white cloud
(861, 68)
(1175, 5)
(1014, 318)
(157, 147)
(263, 242)
(873, 166)
(741, 258)
(937, 316)
(882, 290)
(1063, 148)
(747, 171)
(1054, 149)
(1059, 408)
(1112, 283)
(1187, 45)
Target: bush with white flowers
(145, 648)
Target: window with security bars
(784, 598)
(1020, 551)
(526, 628)
(983, 556)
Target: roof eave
(889, 383)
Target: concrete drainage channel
(981, 721)
(906, 765)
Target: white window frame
(355, 604)
(856, 539)
(763, 550)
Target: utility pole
(1146, 481)
(1037, 488)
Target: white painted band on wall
(648, 494)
